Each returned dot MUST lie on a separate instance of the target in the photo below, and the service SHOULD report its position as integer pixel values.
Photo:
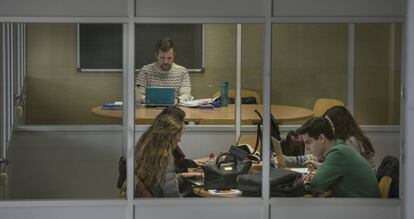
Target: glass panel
(77, 163)
(204, 132)
(309, 62)
(57, 92)
(377, 74)
(218, 54)
(309, 68)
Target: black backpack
(283, 183)
(291, 146)
(390, 166)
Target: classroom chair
(323, 104)
(384, 186)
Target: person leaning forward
(344, 171)
(164, 72)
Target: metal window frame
(128, 73)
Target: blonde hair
(154, 149)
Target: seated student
(345, 128)
(344, 171)
(154, 162)
(164, 72)
(180, 164)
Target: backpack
(291, 146)
(283, 183)
(390, 166)
(274, 132)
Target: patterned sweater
(152, 76)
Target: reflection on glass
(377, 73)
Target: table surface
(282, 113)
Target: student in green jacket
(344, 171)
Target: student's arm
(184, 92)
(331, 170)
(141, 83)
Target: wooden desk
(145, 115)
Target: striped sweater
(152, 76)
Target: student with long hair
(154, 162)
(345, 128)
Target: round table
(220, 115)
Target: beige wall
(56, 92)
(377, 74)
(220, 60)
(309, 61)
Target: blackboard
(100, 45)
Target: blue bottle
(224, 95)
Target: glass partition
(56, 162)
(377, 73)
(309, 62)
(209, 126)
(309, 78)
(57, 93)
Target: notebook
(159, 96)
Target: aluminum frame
(128, 129)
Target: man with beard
(164, 72)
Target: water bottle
(211, 159)
(224, 95)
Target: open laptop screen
(159, 96)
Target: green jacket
(346, 173)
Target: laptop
(159, 96)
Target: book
(112, 106)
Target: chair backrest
(384, 186)
(323, 104)
(390, 167)
(244, 93)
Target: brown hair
(346, 127)
(154, 148)
(164, 44)
(316, 126)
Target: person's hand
(308, 177)
(311, 165)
